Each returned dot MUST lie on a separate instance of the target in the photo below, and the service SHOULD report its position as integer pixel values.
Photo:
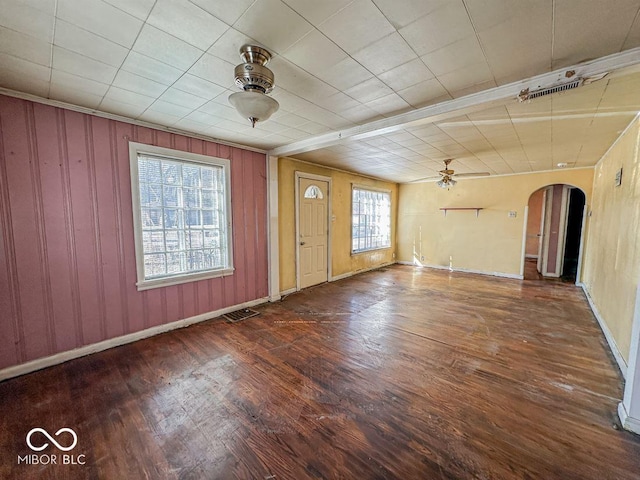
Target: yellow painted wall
(490, 242)
(612, 256)
(342, 261)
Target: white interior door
(313, 241)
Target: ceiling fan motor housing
(253, 75)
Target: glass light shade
(255, 106)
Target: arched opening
(553, 242)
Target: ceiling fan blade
(425, 179)
(475, 174)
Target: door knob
(302, 243)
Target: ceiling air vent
(526, 94)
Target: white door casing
(312, 232)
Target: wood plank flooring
(402, 373)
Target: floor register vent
(240, 315)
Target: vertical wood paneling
(67, 253)
(24, 232)
(84, 231)
(55, 226)
(10, 311)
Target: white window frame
(135, 151)
(355, 186)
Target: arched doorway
(553, 242)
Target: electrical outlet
(422, 258)
(513, 214)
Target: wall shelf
(477, 209)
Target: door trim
(322, 178)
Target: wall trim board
(529, 255)
(112, 116)
(467, 270)
(554, 170)
(351, 274)
(40, 363)
(613, 346)
(628, 423)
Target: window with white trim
(182, 216)
(371, 219)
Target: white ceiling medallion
(256, 80)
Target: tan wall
(342, 261)
(491, 242)
(533, 223)
(612, 256)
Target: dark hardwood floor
(402, 373)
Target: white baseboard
(466, 270)
(351, 274)
(613, 346)
(288, 292)
(62, 357)
(628, 423)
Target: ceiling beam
(460, 106)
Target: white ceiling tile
(121, 108)
(345, 74)
(401, 14)
(454, 56)
(150, 68)
(69, 81)
(23, 17)
(24, 46)
(466, 77)
(602, 29)
(299, 82)
(385, 54)
(283, 28)
(315, 53)
(633, 38)
(356, 26)
(214, 69)
(478, 87)
(288, 119)
(184, 99)
(82, 66)
(170, 108)
(190, 125)
(77, 40)
(360, 114)
(160, 45)
(369, 90)
(441, 27)
(226, 10)
(102, 19)
(203, 118)
(186, 21)
(136, 83)
(423, 93)
(219, 110)
(138, 8)
(159, 118)
(65, 93)
(198, 86)
(317, 12)
(227, 47)
(392, 104)
(126, 96)
(313, 128)
(337, 102)
(24, 76)
(406, 75)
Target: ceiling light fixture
(256, 80)
(446, 181)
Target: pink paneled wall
(67, 262)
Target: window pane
(183, 216)
(371, 220)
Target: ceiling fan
(446, 178)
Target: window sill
(187, 278)
(368, 250)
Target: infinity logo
(51, 439)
